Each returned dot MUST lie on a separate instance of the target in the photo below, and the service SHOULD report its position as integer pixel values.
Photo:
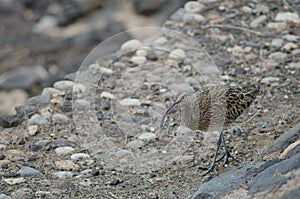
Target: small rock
(258, 21)
(49, 91)
(13, 181)
(291, 38)
(289, 46)
(39, 120)
(279, 56)
(87, 171)
(63, 85)
(294, 65)
(131, 45)
(28, 171)
(194, 7)
(85, 183)
(63, 174)
(3, 196)
(177, 54)
(288, 17)
(4, 163)
(247, 9)
(122, 153)
(80, 156)
(138, 59)
(38, 100)
(161, 41)
(135, 144)
(66, 165)
(147, 137)
(63, 150)
(60, 118)
(107, 95)
(260, 8)
(277, 43)
(141, 53)
(130, 102)
(279, 26)
(79, 88)
(115, 182)
(191, 18)
(296, 52)
(32, 130)
(269, 80)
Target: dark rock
(67, 107)
(8, 121)
(38, 100)
(286, 139)
(115, 182)
(26, 111)
(224, 183)
(148, 7)
(274, 176)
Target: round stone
(107, 95)
(131, 44)
(142, 53)
(28, 171)
(130, 102)
(63, 85)
(177, 54)
(64, 150)
(193, 6)
(138, 59)
(79, 156)
(60, 118)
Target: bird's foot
(208, 169)
(226, 156)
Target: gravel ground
(96, 134)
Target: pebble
(279, 26)
(79, 88)
(4, 163)
(191, 18)
(288, 17)
(107, 95)
(24, 193)
(194, 7)
(131, 45)
(63, 85)
(177, 54)
(3, 196)
(135, 144)
(39, 120)
(289, 46)
(296, 52)
(80, 156)
(32, 130)
(277, 43)
(141, 52)
(60, 118)
(279, 56)
(258, 21)
(115, 182)
(63, 174)
(291, 38)
(66, 165)
(2, 146)
(138, 59)
(294, 65)
(28, 171)
(13, 181)
(260, 8)
(147, 137)
(105, 71)
(64, 150)
(161, 41)
(87, 171)
(269, 80)
(121, 153)
(246, 9)
(130, 102)
(49, 91)
(38, 100)
(85, 183)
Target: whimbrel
(212, 108)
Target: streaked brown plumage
(212, 108)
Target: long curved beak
(171, 108)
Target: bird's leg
(227, 153)
(212, 166)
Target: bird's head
(181, 98)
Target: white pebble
(63, 174)
(138, 59)
(142, 53)
(63, 150)
(131, 45)
(193, 6)
(161, 40)
(147, 136)
(269, 80)
(177, 54)
(79, 88)
(107, 95)
(32, 129)
(130, 102)
(63, 85)
(288, 17)
(79, 156)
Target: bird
(211, 109)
